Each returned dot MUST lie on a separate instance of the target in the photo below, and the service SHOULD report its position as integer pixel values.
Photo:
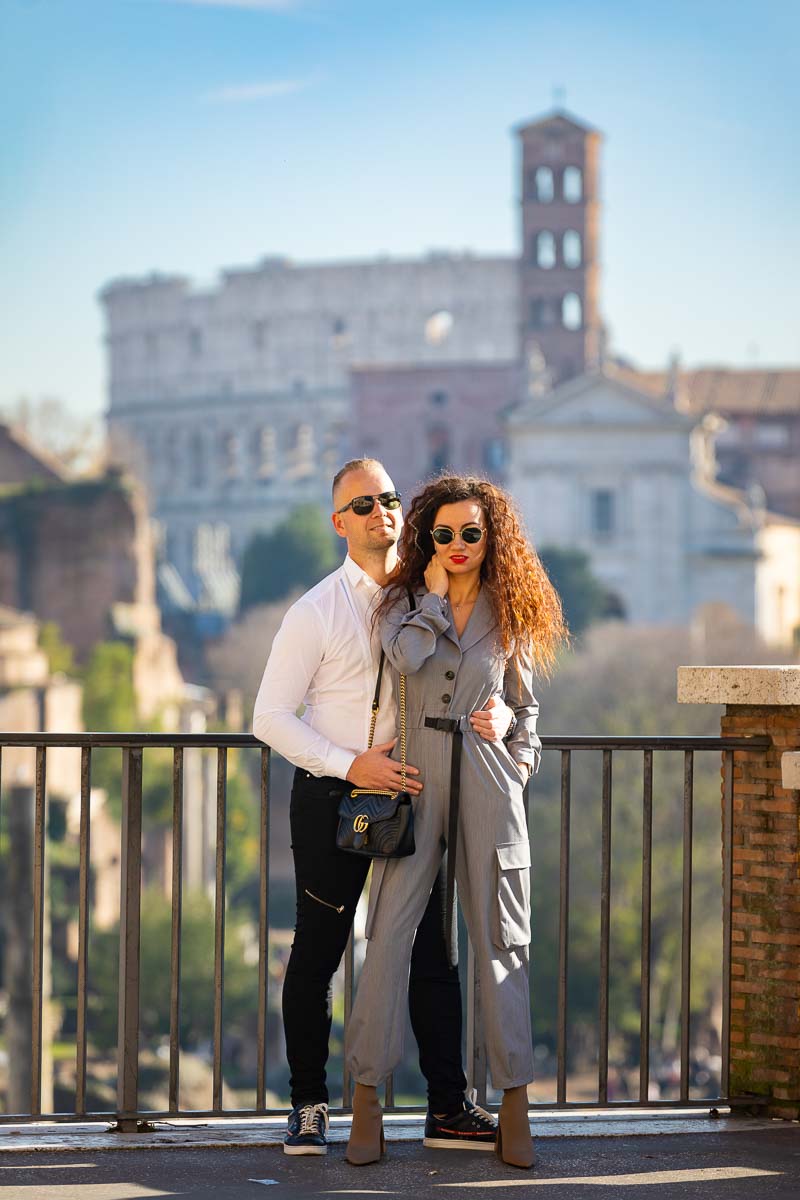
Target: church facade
(626, 476)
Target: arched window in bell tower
(543, 188)
(572, 185)
(571, 248)
(571, 311)
(545, 250)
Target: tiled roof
(725, 390)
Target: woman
(484, 616)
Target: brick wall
(765, 957)
(70, 552)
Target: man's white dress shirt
(325, 657)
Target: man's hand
(374, 769)
(493, 721)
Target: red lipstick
(458, 558)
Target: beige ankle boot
(514, 1143)
(366, 1143)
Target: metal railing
(128, 1113)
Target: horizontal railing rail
(238, 740)
(133, 746)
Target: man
(325, 657)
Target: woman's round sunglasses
(470, 534)
(362, 506)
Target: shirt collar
(356, 576)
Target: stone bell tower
(559, 268)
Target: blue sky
(192, 135)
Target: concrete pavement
(675, 1158)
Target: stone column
(765, 916)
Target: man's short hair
(355, 464)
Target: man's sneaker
(308, 1130)
(471, 1128)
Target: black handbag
(376, 823)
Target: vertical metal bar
(605, 928)
(563, 928)
(647, 907)
(39, 835)
(388, 1096)
(175, 942)
(263, 937)
(476, 1046)
(83, 930)
(207, 768)
(686, 921)
(349, 970)
(18, 962)
(129, 921)
(219, 927)
(727, 905)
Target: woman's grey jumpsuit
(451, 677)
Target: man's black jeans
(329, 883)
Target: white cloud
(246, 93)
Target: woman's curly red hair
(525, 603)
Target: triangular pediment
(598, 398)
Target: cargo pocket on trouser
(511, 919)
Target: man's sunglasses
(362, 506)
(470, 534)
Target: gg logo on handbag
(361, 822)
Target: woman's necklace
(465, 603)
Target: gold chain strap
(402, 733)
(373, 719)
(372, 723)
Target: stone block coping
(790, 769)
(756, 686)
(183, 1134)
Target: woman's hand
(493, 721)
(436, 578)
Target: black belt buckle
(443, 724)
